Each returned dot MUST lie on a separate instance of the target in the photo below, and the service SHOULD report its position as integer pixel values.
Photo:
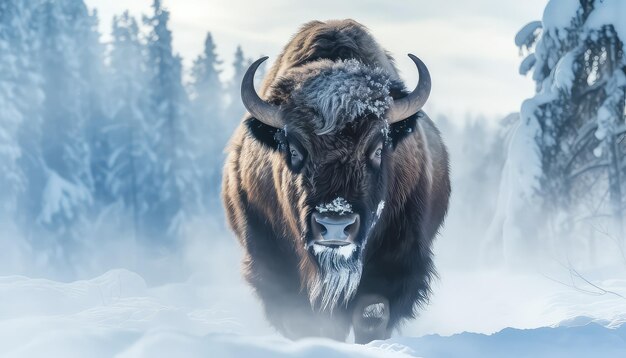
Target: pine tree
(131, 160)
(175, 192)
(579, 67)
(19, 95)
(208, 119)
(235, 109)
(25, 43)
(69, 43)
(206, 87)
(92, 71)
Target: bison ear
(270, 136)
(400, 130)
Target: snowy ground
(117, 314)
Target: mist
(111, 156)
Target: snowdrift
(118, 315)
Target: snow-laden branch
(527, 64)
(588, 168)
(528, 34)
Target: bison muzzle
(336, 184)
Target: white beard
(338, 278)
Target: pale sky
(467, 45)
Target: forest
(111, 156)
(104, 141)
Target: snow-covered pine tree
(577, 115)
(175, 192)
(131, 158)
(208, 119)
(69, 47)
(92, 71)
(206, 88)
(20, 101)
(235, 108)
(20, 98)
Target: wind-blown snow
(117, 315)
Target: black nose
(333, 229)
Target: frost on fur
(346, 91)
(338, 277)
(346, 251)
(379, 209)
(376, 310)
(339, 206)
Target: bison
(336, 184)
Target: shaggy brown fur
(269, 202)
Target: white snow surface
(118, 315)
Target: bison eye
(295, 157)
(376, 156)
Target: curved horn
(261, 110)
(405, 107)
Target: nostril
(352, 229)
(349, 229)
(335, 227)
(318, 227)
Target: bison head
(335, 125)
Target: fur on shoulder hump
(333, 40)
